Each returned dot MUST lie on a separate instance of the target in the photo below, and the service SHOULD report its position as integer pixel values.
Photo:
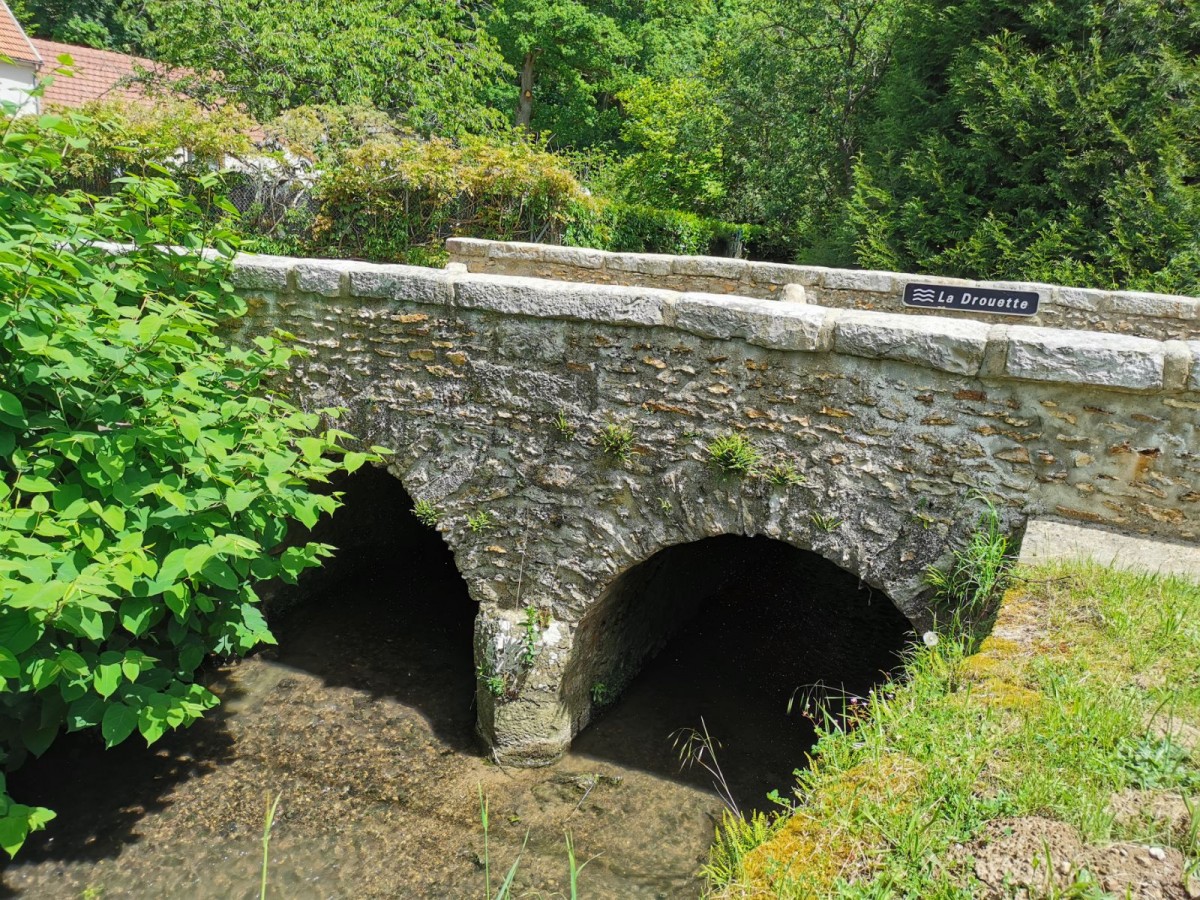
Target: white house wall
(16, 81)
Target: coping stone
(393, 282)
(539, 298)
(765, 323)
(260, 273)
(950, 345)
(855, 280)
(322, 276)
(1085, 357)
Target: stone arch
(643, 607)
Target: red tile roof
(13, 41)
(98, 74)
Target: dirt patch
(1152, 812)
(1184, 734)
(1032, 857)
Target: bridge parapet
(496, 391)
(1160, 316)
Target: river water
(361, 721)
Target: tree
(1048, 141)
(149, 473)
(571, 59)
(795, 81)
(428, 63)
(105, 24)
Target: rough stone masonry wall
(1158, 316)
(894, 421)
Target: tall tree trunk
(525, 101)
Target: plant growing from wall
(733, 454)
(616, 441)
(972, 582)
(825, 523)
(480, 521)
(529, 638)
(601, 694)
(566, 430)
(494, 682)
(427, 514)
(783, 474)
(149, 475)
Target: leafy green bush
(115, 137)
(399, 200)
(627, 228)
(148, 472)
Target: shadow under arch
(389, 613)
(725, 629)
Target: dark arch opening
(726, 629)
(389, 613)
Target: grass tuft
(616, 441)
(733, 454)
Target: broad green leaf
(11, 410)
(136, 614)
(107, 679)
(118, 723)
(114, 517)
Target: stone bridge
(495, 390)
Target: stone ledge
(855, 280)
(1085, 357)
(1159, 306)
(949, 345)
(1130, 303)
(327, 277)
(958, 346)
(708, 267)
(562, 300)
(393, 282)
(261, 273)
(765, 323)
(474, 248)
(639, 263)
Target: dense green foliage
(400, 200)
(104, 24)
(148, 472)
(1056, 140)
(1048, 140)
(426, 62)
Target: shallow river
(362, 721)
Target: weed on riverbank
(1061, 760)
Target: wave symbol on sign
(923, 294)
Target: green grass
(1063, 706)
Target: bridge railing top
(1129, 312)
(961, 347)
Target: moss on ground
(1087, 687)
